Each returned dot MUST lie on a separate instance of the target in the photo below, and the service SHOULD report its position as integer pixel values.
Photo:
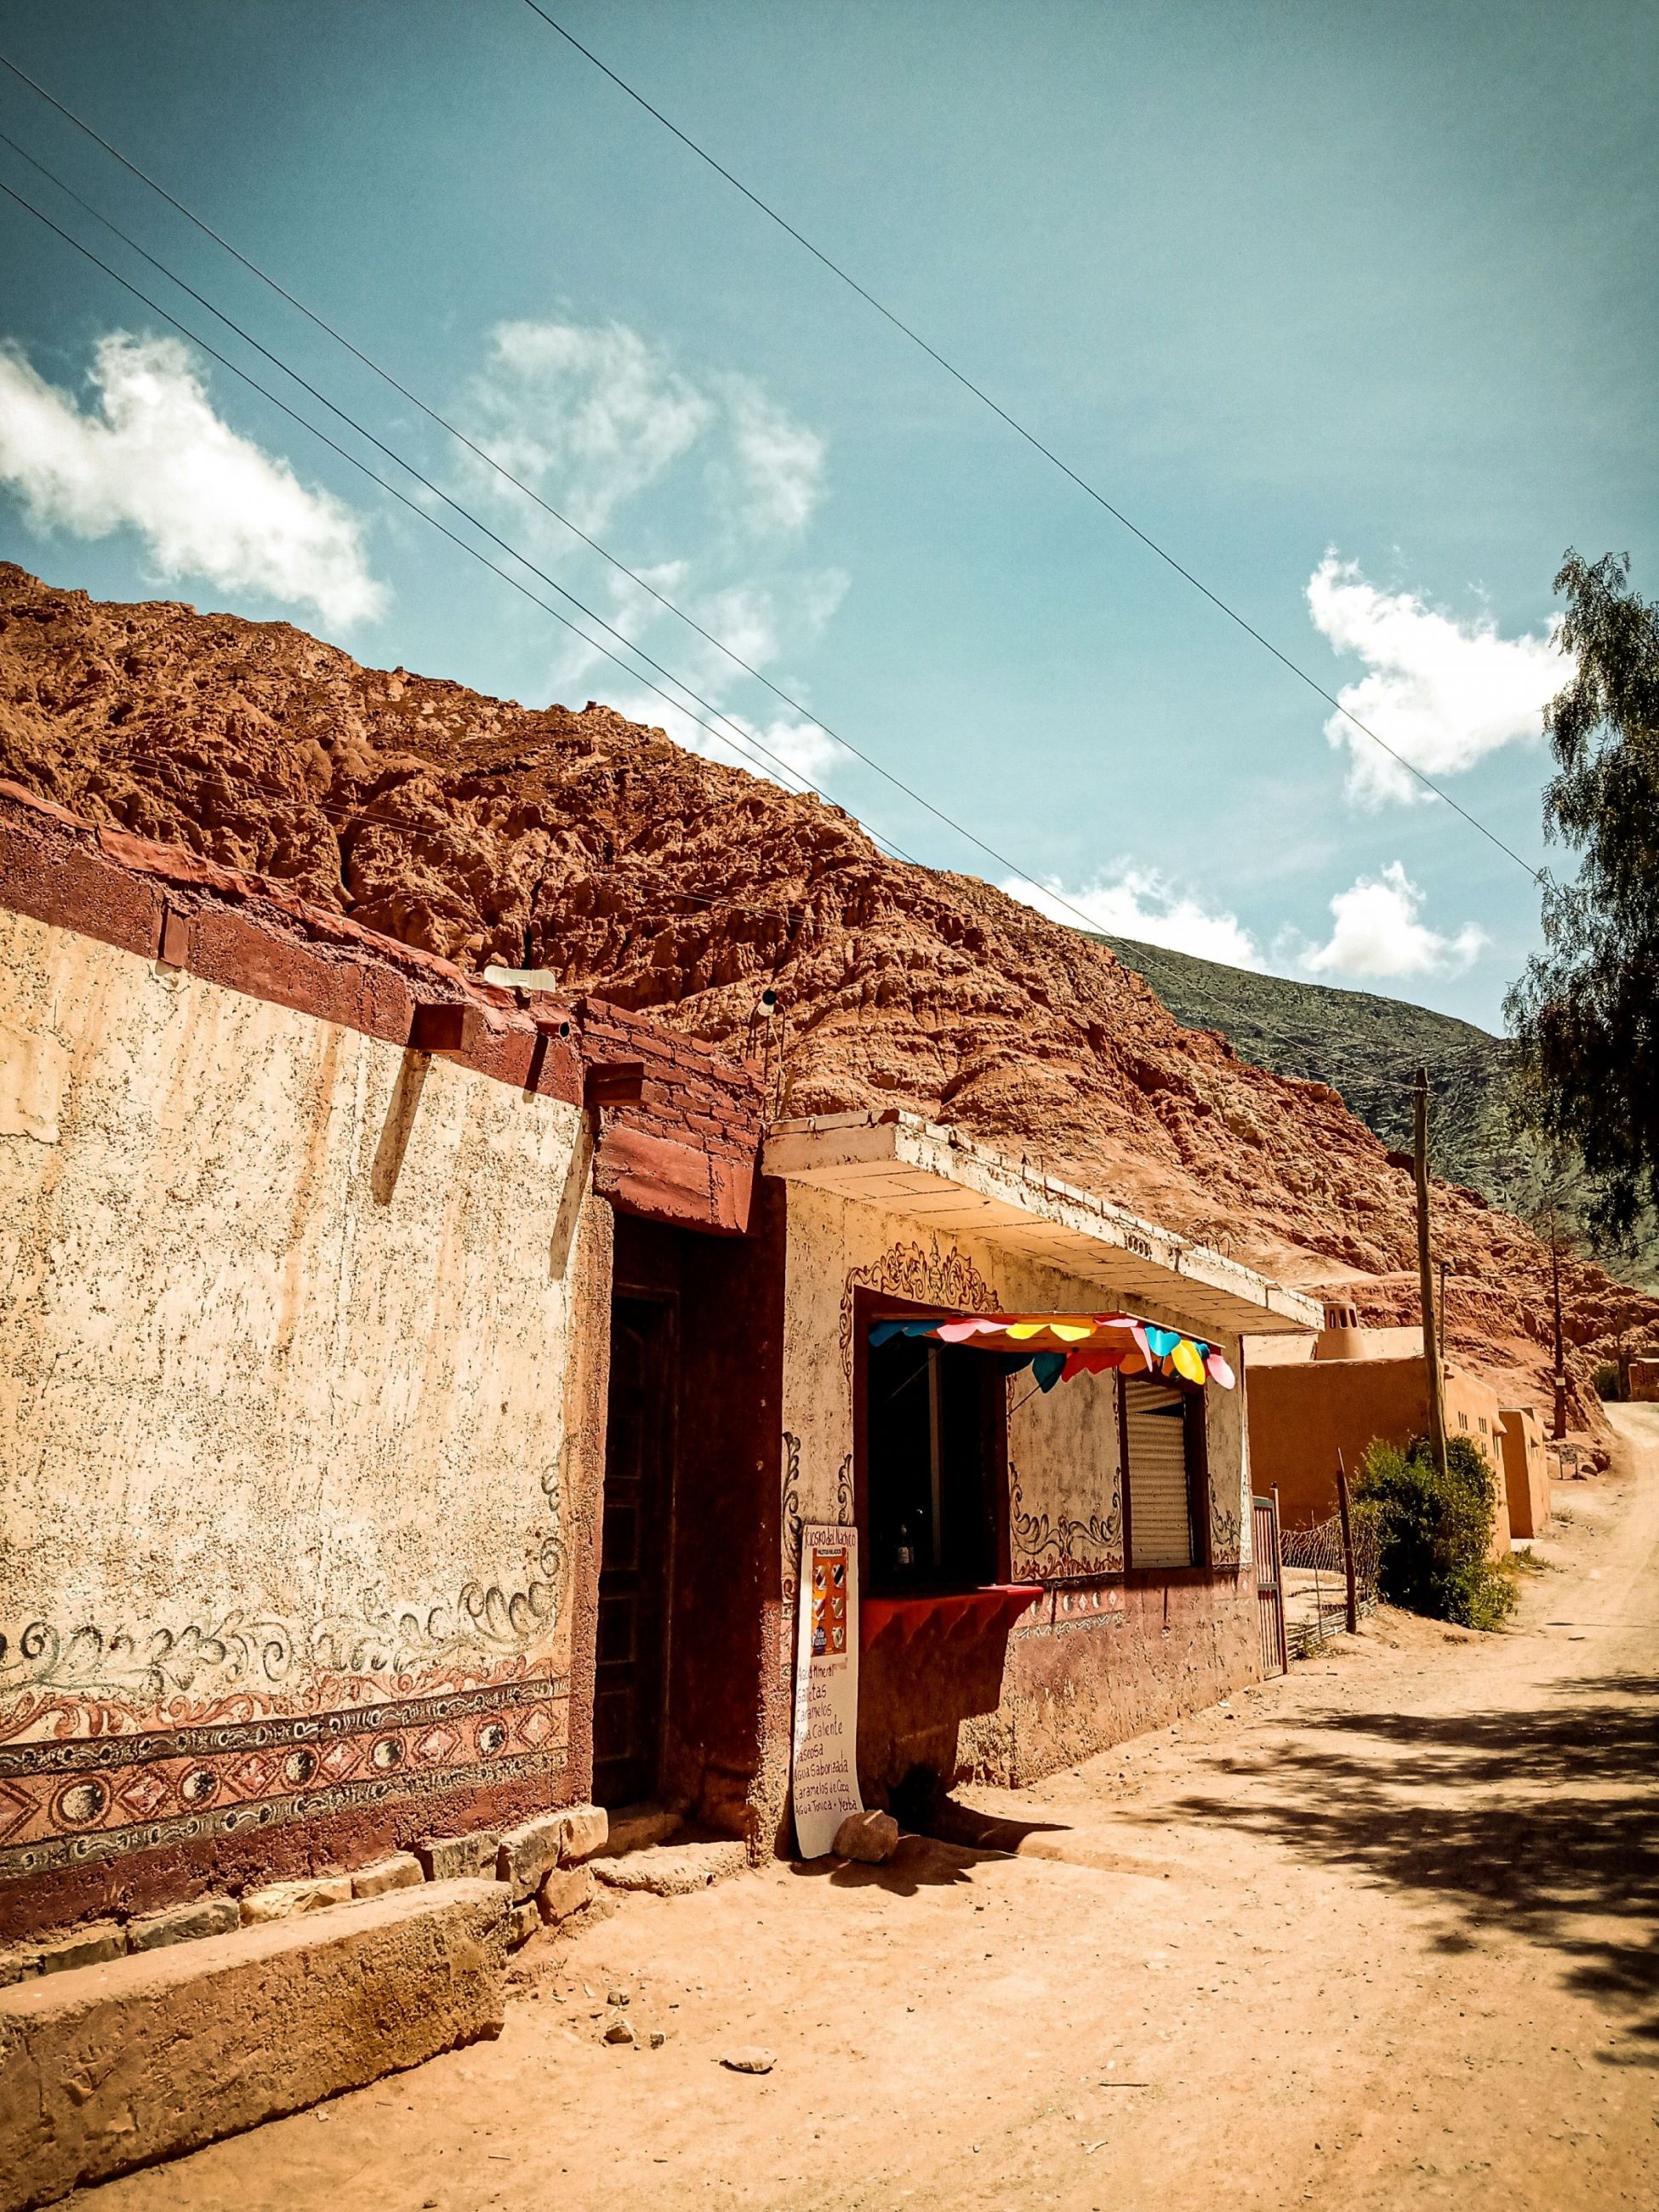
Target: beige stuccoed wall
(1062, 1444)
(284, 1318)
(1100, 1656)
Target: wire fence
(1315, 1571)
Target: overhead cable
(431, 414)
(1030, 438)
(736, 743)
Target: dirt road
(1384, 1936)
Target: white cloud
(590, 415)
(775, 477)
(628, 609)
(1140, 902)
(799, 745)
(1379, 932)
(593, 415)
(152, 455)
(596, 418)
(745, 617)
(1443, 693)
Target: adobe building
(1643, 1383)
(1310, 1401)
(1044, 1571)
(414, 1391)
(303, 1378)
(1526, 1472)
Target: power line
(737, 744)
(741, 741)
(349, 814)
(745, 736)
(857, 753)
(1030, 438)
(355, 813)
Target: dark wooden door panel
(628, 1687)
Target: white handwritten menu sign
(825, 1778)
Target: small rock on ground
(872, 1837)
(751, 2059)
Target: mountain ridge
(1368, 1045)
(671, 883)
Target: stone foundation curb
(401, 1871)
(283, 1901)
(184, 1923)
(586, 1829)
(673, 1870)
(458, 1858)
(527, 1852)
(564, 1891)
(110, 2066)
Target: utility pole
(1560, 1377)
(1425, 1276)
(1349, 1576)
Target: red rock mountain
(586, 844)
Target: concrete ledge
(106, 2068)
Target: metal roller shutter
(1160, 1511)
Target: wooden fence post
(1278, 1571)
(1347, 1546)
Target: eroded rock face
(586, 844)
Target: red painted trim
(663, 1179)
(681, 1148)
(981, 1613)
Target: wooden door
(630, 1681)
(1269, 1585)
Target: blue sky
(1352, 309)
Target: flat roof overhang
(936, 1178)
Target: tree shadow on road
(1545, 1823)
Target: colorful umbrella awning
(1058, 1347)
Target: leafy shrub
(1435, 1532)
(1606, 1379)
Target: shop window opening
(935, 1457)
(1164, 1445)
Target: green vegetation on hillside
(1368, 1047)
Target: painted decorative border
(1086, 1606)
(921, 1273)
(1063, 1548)
(87, 1681)
(74, 1798)
(792, 1517)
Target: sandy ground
(1381, 1935)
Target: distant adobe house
(1310, 1400)
(414, 1391)
(1526, 1472)
(1644, 1381)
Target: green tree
(1586, 1012)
